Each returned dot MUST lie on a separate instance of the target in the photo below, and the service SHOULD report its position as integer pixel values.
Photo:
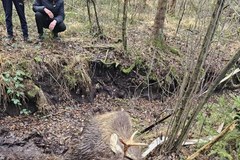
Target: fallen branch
(212, 142)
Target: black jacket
(56, 6)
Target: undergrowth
(212, 121)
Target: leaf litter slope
(54, 132)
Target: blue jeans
(19, 5)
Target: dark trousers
(43, 21)
(19, 5)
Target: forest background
(154, 59)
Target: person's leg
(19, 5)
(42, 22)
(59, 28)
(39, 21)
(7, 5)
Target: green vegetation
(13, 82)
(211, 120)
(25, 112)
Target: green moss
(32, 93)
(129, 69)
(162, 45)
(137, 63)
(109, 64)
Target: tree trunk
(89, 15)
(96, 16)
(159, 20)
(124, 25)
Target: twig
(153, 125)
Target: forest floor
(42, 135)
(36, 136)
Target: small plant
(25, 112)
(14, 86)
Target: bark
(159, 19)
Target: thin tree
(124, 25)
(99, 30)
(181, 122)
(89, 15)
(183, 9)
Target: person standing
(19, 5)
(49, 14)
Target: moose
(107, 137)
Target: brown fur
(95, 140)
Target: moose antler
(130, 143)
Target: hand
(49, 13)
(52, 25)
